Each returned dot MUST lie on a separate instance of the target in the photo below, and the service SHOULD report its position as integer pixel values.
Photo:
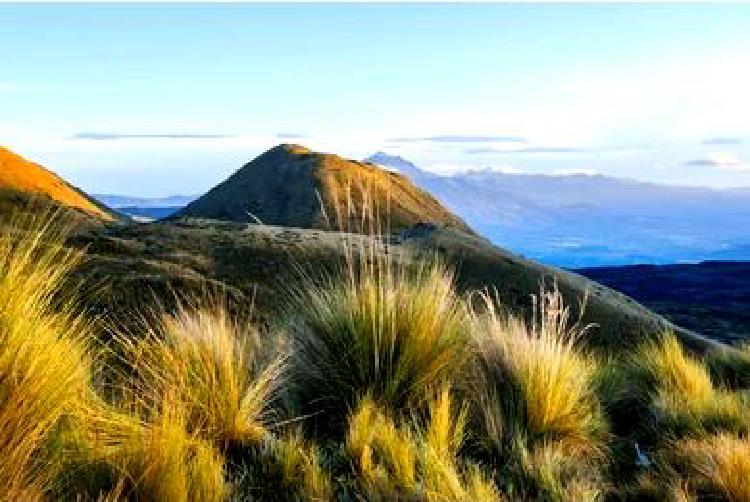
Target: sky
(154, 100)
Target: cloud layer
(460, 138)
(720, 160)
(105, 136)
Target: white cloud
(727, 161)
(586, 171)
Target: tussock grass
(165, 462)
(45, 359)
(676, 394)
(414, 461)
(535, 402)
(416, 394)
(384, 329)
(284, 467)
(718, 466)
(215, 369)
(715, 467)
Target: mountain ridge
(568, 220)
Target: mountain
(131, 265)
(591, 220)
(292, 186)
(26, 178)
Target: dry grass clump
(284, 467)
(411, 462)
(714, 467)
(45, 361)
(392, 331)
(165, 462)
(213, 368)
(535, 403)
(191, 393)
(718, 466)
(678, 393)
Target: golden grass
(45, 362)
(533, 377)
(680, 393)
(421, 397)
(213, 367)
(414, 462)
(715, 467)
(718, 466)
(385, 329)
(730, 366)
(301, 468)
(20, 174)
(535, 403)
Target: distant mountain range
(584, 220)
(566, 220)
(120, 201)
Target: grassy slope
(256, 263)
(17, 173)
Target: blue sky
(162, 99)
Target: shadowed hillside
(709, 297)
(292, 186)
(21, 175)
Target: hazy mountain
(584, 220)
(292, 186)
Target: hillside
(24, 177)
(255, 264)
(290, 185)
(709, 297)
(566, 220)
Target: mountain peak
(398, 163)
(290, 185)
(290, 148)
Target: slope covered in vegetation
(377, 381)
(21, 175)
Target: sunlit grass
(45, 361)
(386, 330)
(217, 370)
(535, 401)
